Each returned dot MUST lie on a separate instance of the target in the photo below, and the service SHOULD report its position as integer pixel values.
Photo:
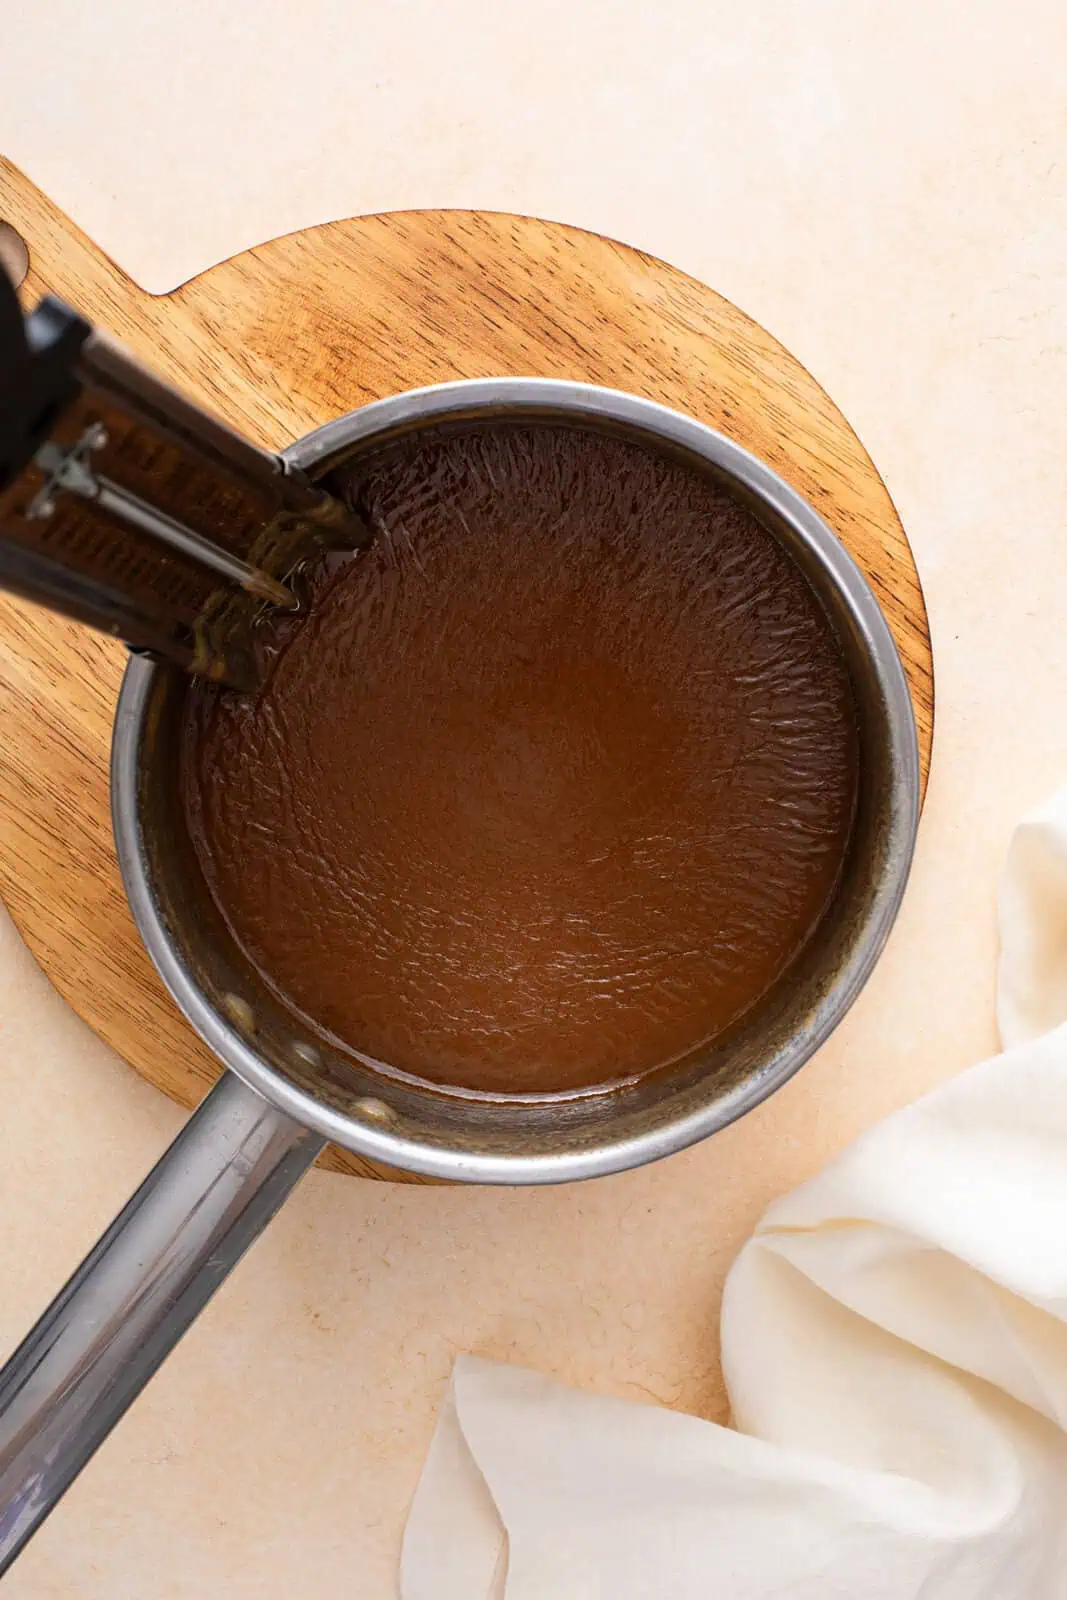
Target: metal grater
(127, 507)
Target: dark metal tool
(127, 507)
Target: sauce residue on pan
(553, 782)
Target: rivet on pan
(375, 1111)
(239, 1012)
(306, 1053)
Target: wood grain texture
(305, 328)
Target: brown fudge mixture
(552, 783)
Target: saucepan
(283, 1096)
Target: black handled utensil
(127, 507)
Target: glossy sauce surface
(553, 782)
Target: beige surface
(864, 1460)
(885, 189)
(510, 295)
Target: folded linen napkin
(894, 1342)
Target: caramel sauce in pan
(552, 783)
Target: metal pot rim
(391, 1146)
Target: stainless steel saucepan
(283, 1097)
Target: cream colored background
(885, 187)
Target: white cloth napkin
(894, 1340)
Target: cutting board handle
(76, 269)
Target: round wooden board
(308, 327)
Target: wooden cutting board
(305, 328)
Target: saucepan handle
(136, 1292)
